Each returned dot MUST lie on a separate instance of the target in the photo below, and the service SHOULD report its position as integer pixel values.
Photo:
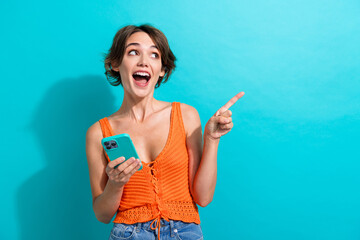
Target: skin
(139, 114)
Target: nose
(143, 61)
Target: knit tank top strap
(105, 127)
(178, 118)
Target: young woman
(179, 169)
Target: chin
(143, 92)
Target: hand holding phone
(121, 175)
(120, 146)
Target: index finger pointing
(230, 103)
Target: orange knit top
(160, 190)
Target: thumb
(221, 119)
(227, 113)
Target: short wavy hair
(117, 51)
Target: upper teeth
(142, 74)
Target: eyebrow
(138, 44)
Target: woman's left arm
(203, 158)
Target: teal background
(289, 169)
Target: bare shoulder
(190, 117)
(94, 149)
(94, 132)
(188, 111)
(93, 141)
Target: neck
(138, 109)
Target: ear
(114, 66)
(162, 73)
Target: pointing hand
(221, 123)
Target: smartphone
(120, 146)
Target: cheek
(124, 71)
(157, 67)
(125, 79)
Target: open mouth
(141, 77)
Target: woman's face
(141, 65)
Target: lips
(141, 78)
(141, 75)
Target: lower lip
(139, 84)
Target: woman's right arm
(106, 182)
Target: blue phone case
(120, 146)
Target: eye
(155, 55)
(130, 53)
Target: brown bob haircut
(117, 51)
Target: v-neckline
(167, 141)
